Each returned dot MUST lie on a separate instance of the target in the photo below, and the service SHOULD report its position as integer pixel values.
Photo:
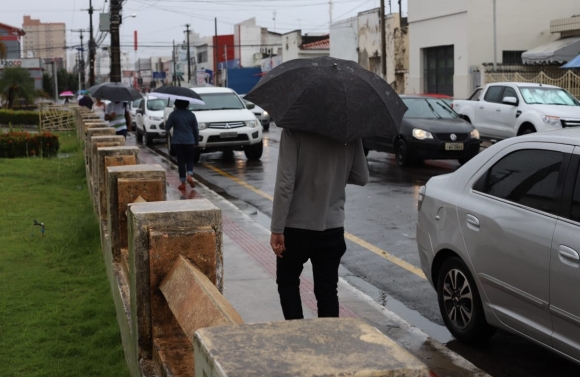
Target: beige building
(44, 40)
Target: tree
(47, 83)
(66, 81)
(16, 83)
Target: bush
(19, 118)
(24, 144)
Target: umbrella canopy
(178, 92)
(574, 63)
(329, 96)
(114, 91)
(68, 93)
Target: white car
(225, 123)
(133, 106)
(260, 113)
(149, 119)
(499, 240)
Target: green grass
(57, 316)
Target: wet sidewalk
(250, 281)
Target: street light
(131, 16)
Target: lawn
(57, 316)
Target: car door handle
(472, 222)
(569, 253)
(499, 110)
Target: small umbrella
(68, 93)
(574, 63)
(329, 96)
(114, 91)
(178, 92)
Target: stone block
(117, 204)
(307, 348)
(148, 223)
(194, 300)
(115, 156)
(91, 146)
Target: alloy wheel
(458, 298)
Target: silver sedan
(499, 240)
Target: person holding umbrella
(325, 107)
(118, 116)
(184, 141)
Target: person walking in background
(99, 108)
(308, 215)
(118, 116)
(184, 140)
(86, 101)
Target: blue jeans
(185, 157)
(324, 249)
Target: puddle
(434, 330)
(64, 155)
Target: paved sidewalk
(250, 283)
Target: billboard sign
(22, 63)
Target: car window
(218, 101)
(142, 105)
(548, 96)
(493, 93)
(156, 104)
(527, 177)
(428, 108)
(476, 95)
(509, 92)
(136, 103)
(575, 213)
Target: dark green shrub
(19, 118)
(24, 144)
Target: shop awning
(556, 52)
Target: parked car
(133, 110)
(260, 113)
(503, 110)
(149, 119)
(430, 130)
(225, 123)
(499, 240)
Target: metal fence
(567, 79)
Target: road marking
(351, 237)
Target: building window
(512, 57)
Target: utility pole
(174, 78)
(115, 14)
(383, 40)
(494, 38)
(330, 13)
(92, 47)
(215, 47)
(81, 59)
(188, 58)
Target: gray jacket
(313, 171)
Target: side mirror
(250, 106)
(510, 101)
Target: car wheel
(402, 153)
(266, 127)
(528, 131)
(139, 136)
(147, 139)
(460, 303)
(254, 152)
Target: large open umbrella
(115, 92)
(329, 96)
(574, 63)
(67, 93)
(178, 92)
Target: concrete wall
(468, 26)
(344, 39)
(291, 45)
(247, 38)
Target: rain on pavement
(382, 259)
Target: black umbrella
(178, 92)
(114, 91)
(333, 97)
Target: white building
(344, 39)
(449, 38)
(298, 46)
(253, 43)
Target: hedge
(19, 117)
(24, 144)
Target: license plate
(228, 135)
(453, 146)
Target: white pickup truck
(503, 110)
(225, 123)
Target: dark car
(430, 130)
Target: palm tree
(16, 83)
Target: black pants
(324, 249)
(122, 133)
(185, 157)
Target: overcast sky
(159, 22)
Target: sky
(160, 22)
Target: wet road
(382, 258)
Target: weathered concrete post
(103, 131)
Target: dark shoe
(181, 186)
(190, 181)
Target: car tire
(139, 136)
(528, 131)
(460, 303)
(402, 153)
(266, 127)
(148, 139)
(254, 152)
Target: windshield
(548, 96)
(428, 108)
(155, 104)
(136, 102)
(218, 101)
